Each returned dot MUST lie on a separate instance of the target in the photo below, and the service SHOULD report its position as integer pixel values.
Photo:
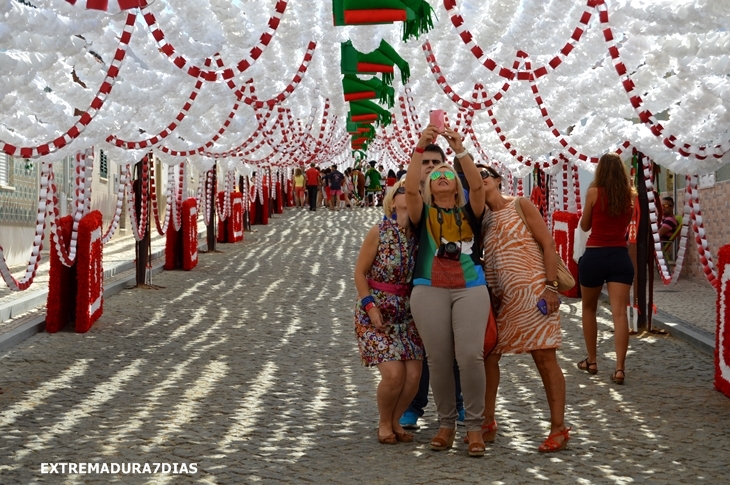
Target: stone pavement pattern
(248, 366)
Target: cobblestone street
(248, 366)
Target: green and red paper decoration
(381, 60)
(373, 88)
(367, 111)
(416, 14)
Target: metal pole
(213, 195)
(142, 247)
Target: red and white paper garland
(96, 105)
(221, 75)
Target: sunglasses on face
(486, 174)
(438, 174)
(400, 190)
(426, 161)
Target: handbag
(565, 279)
(580, 239)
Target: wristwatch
(552, 284)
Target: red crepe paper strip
(722, 333)
(173, 249)
(103, 5)
(215, 76)
(374, 16)
(60, 304)
(190, 234)
(564, 226)
(89, 273)
(96, 104)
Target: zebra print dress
(514, 268)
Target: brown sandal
(486, 429)
(616, 379)
(390, 439)
(404, 437)
(586, 366)
(440, 444)
(476, 448)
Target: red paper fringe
(564, 242)
(90, 272)
(60, 304)
(722, 340)
(190, 234)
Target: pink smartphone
(437, 119)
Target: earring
(394, 215)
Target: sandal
(404, 437)
(550, 445)
(440, 444)
(390, 439)
(590, 367)
(486, 429)
(616, 379)
(476, 448)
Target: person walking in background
(450, 297)
(520, 264)
(300, 184)
(312, 176)
(401, 171)
(391, 178)
(335, 180)
(372, 180)
(669, 220)
(607, 213)
(358, 178)
(386, 335)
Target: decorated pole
(211, 208)
(142, 246)
(642, 251)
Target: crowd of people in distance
(450, 250)
(329, 188)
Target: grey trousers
(452, 324)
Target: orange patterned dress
(514, 268)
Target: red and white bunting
(124, 181)
(103, 5)
(96, 104)
(215, 76)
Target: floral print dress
(394, 264)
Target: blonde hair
(460, 199)
(389, 199)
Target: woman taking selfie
(386, 335)
(607, 214)
(450, 300)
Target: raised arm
(414, 201)
(471, 172)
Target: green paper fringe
(388, 78)
(423, 22)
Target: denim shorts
(605, 265)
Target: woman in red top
(607, 214)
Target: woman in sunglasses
(524, 288)
(449, 292)
(386, 334)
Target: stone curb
(699, 338)
(37, 323)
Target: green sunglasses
(436, 174)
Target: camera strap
(440, 218)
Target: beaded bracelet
(365, 300)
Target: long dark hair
(612, 176)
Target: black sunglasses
(486, 174)
(400, 190)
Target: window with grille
(6, 170)
(103, 165)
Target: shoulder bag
(565, 279)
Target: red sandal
(550, 445)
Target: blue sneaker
(409, 420)
(461, 417)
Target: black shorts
(605, 265)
